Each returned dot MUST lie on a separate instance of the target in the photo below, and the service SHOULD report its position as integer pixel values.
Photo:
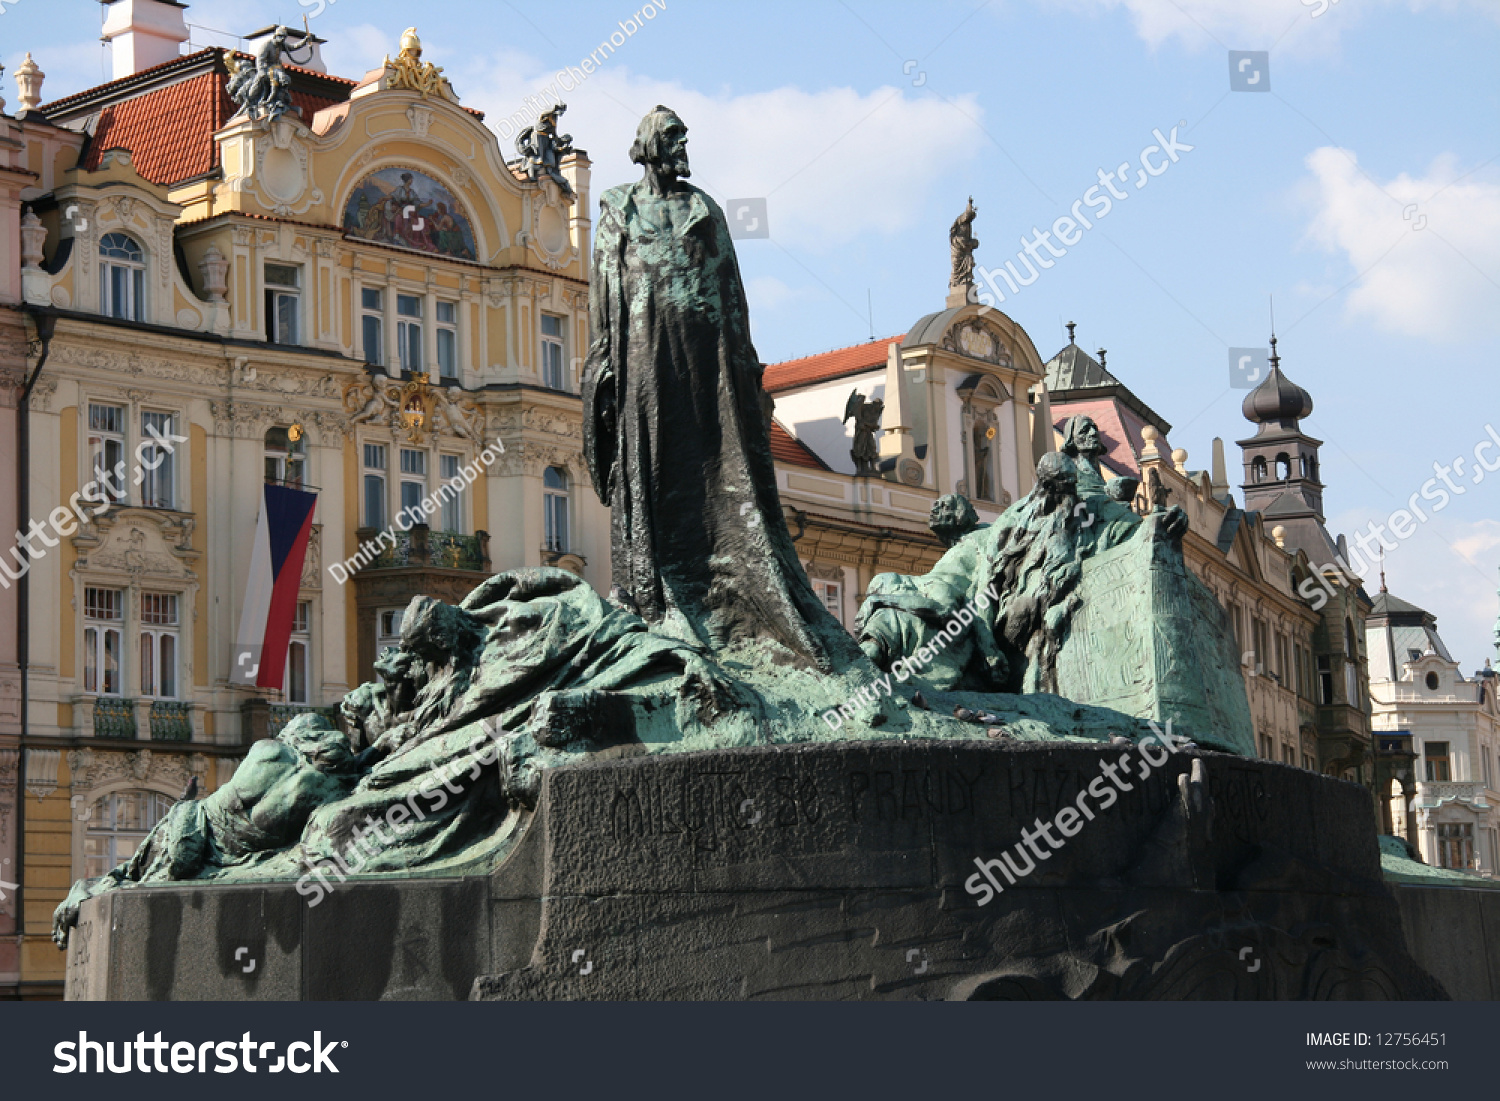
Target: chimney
(302, 49)
(143, 33)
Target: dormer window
(122, 277)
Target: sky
(1354, 180)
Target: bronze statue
(962, 242)
(866, 414)
(263, 90)
(542, 148)
(675, 432)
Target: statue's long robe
(677, 441)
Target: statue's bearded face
(671, 146)
(1087, 438)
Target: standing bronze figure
(675, 432)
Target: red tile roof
(1120, 435)
(170, 132)
(827, 365)
(787, 448)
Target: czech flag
(271, 590)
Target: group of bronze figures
(711, 634)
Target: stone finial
(1149, 436)
(33, 238)
(29, 80)
(1179, 460)
(214, 268)
(1278, 533)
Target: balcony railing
(114, 717)
(171, 721)
(421, 547)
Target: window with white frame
(158, 461)
(374, 475)
(555, 505)
(107, 449)
(103, 636)
(387, 629)
(831, 593)
(122, 278)
(299, 655)
(413, 484)
(159, 645)
(409, 331)
(447, 340)
(452, 495)
(552, 352)
(283, 304)
(372, 324)
(286, 458)
(117, 824)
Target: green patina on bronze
(1069, 618)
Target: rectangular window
(1436, 755)
(555, 509)
(1288, 755)
(158, 462)
(283, 304)
(299, 655)
(1455, 845)
(159, 645)
(453, 506)
(387, 629)
(103, 627)
(1325, 681)
(409, 331)
(831, 593)
(447, 340)
(413, 484)
(552, 352)
(372, 321)
(374, 485)
(107, 450)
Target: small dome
(1277, 399)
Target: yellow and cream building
(359, 298)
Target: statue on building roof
(263, 90)
(542, 148)
(866, 414)
(962, 242)
(410, 72)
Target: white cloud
(824, 160)
(1256, 24)
(766, 292)
(1426, 249)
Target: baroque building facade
(360, 298)
(1448, 801)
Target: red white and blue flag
(270, 605)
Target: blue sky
(1362, 191)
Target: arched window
(1283, 468)
(122, 277)
(555, 503)
(1258, 469)
(286, 458)
(117, 825)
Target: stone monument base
(827, 871)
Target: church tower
(1282, 478)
